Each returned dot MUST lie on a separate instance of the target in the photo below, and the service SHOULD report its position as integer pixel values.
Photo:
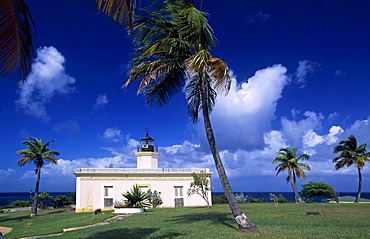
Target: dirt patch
(5, 230)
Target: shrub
(60, 201)
(18, 203)
(219, 199)
(119, 204)
(155, 198)
(137, 198)
(256, 200)
(240, 198)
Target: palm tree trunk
(359, 186)
(36, 195)
(293, 183)
(241, 219)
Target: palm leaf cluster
(137, 198)
(36, 153)
(16, 45)
(172, 52)
(350, 154)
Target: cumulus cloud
(101, 101)
(340, 74)
(69, 125)
(305, 67)
(47, 78)
(241, 117)
(113, 134)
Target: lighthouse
(147, 153)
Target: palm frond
(16, 45)
(121, 11)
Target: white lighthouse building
(99, 188)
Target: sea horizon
(7, 197)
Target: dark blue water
(290, 195)
(6, 198)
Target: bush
(18, 203)
(155, 198)
(240, 198)
(256, 200)
(219, 199)
(60, 201)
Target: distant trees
(37, 153)
(290, 162)
(351, 153)
(317, 189)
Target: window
(178, 191)
(108, 191)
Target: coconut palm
(37, 153)
(351, 154)
(16, 28)
(290, 162)
(173, 45)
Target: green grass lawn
(286, 221)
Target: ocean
(6, 198)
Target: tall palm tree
(37, 153)
(173, 45)
(16, 30)
(351, 154)
(289, 161)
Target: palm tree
(16, 28)
(350, 154)
(36, 153)
(288, 160)
(173, 45)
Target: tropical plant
(290, 162)
(37, 153)
(60, 201)
(16, 46)
(44, 200)
(318, 189)
(240, 198)
(137, 198)
(351, 153)
(17, 26)
(201, 186)
(173, 52)
(155, 198)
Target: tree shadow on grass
(20, 218)
(215, 217)
(137, 233)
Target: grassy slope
(286, 221)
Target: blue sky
(300, 79)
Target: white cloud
(46, 79)
(241, 117)
(305, 67)
(113, 134)
(101, 101)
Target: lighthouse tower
(147, 153)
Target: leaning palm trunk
(298, 198)
(359, 186)
(243, 222)
(36, 195)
